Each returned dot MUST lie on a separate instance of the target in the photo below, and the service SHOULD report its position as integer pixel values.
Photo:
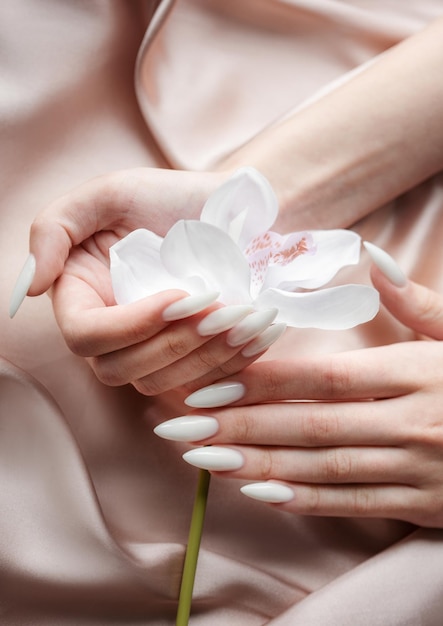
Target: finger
(367, 501)
(208, 362)
(166, 360)
(417, 307)
(357, 375)
(181, 354)
(315, 424)
(249, 353)
(333, 465)
(90, 328)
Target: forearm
(363, 144)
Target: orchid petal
(137, 271)
(336, 308)
(193, 248)
(244, 206)
(335, 249)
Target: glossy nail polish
(190, 305)
(22, 285)
(250, 327)
(215, 458)
(386, 264)
(223, 319)
(218, 394)
(264, 341)
(187, 428)
(268, 492)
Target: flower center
(273, 249)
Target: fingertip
(386, 265)
(22, 285)
(49, 244)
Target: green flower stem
(192, 550)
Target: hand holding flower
(230, 251)
(365, 437)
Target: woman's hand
(160, 342)
(364, 437)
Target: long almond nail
(215, 458)
(218, 394)
(386, 264)
(268, 492)
(187, 428)
(24, 281)
(264, 341)
(223, 319)
(250, 327)
(190, 305)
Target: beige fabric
(95, 508)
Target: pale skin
(330, 165)
(131, 343)
(372, 443)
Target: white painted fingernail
(218, 394)
(264, 341)
(214, 458)
(268, 492)
(24, 281)
(187, 428)
(250, 327)
(190, 305)
(223, 319)
(386, 264)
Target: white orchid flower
(231, 250)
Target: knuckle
(270, 382)
(336, 379)
(267, 469)
(243, 428)
(76, 341)
(319, 427)
(429, 510)
(207, 359)
(149, 386)
(312, 502)
(364, 501)
(430, 307)
(106, 371)
(430, 433)
(337, 466)
(176, 347)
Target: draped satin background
(94, 508)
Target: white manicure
(268, 492)
(223, 319)
(188, 428)
(213, 458)
(264, 341)
(250, 327)
(24, 281)
(216, 395)
(386, 264)
(189, 306)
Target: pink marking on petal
(273, 249)
(293, 246)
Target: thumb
(49, 248)
(93, 206)
(416, 306)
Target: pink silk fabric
(94, 508)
